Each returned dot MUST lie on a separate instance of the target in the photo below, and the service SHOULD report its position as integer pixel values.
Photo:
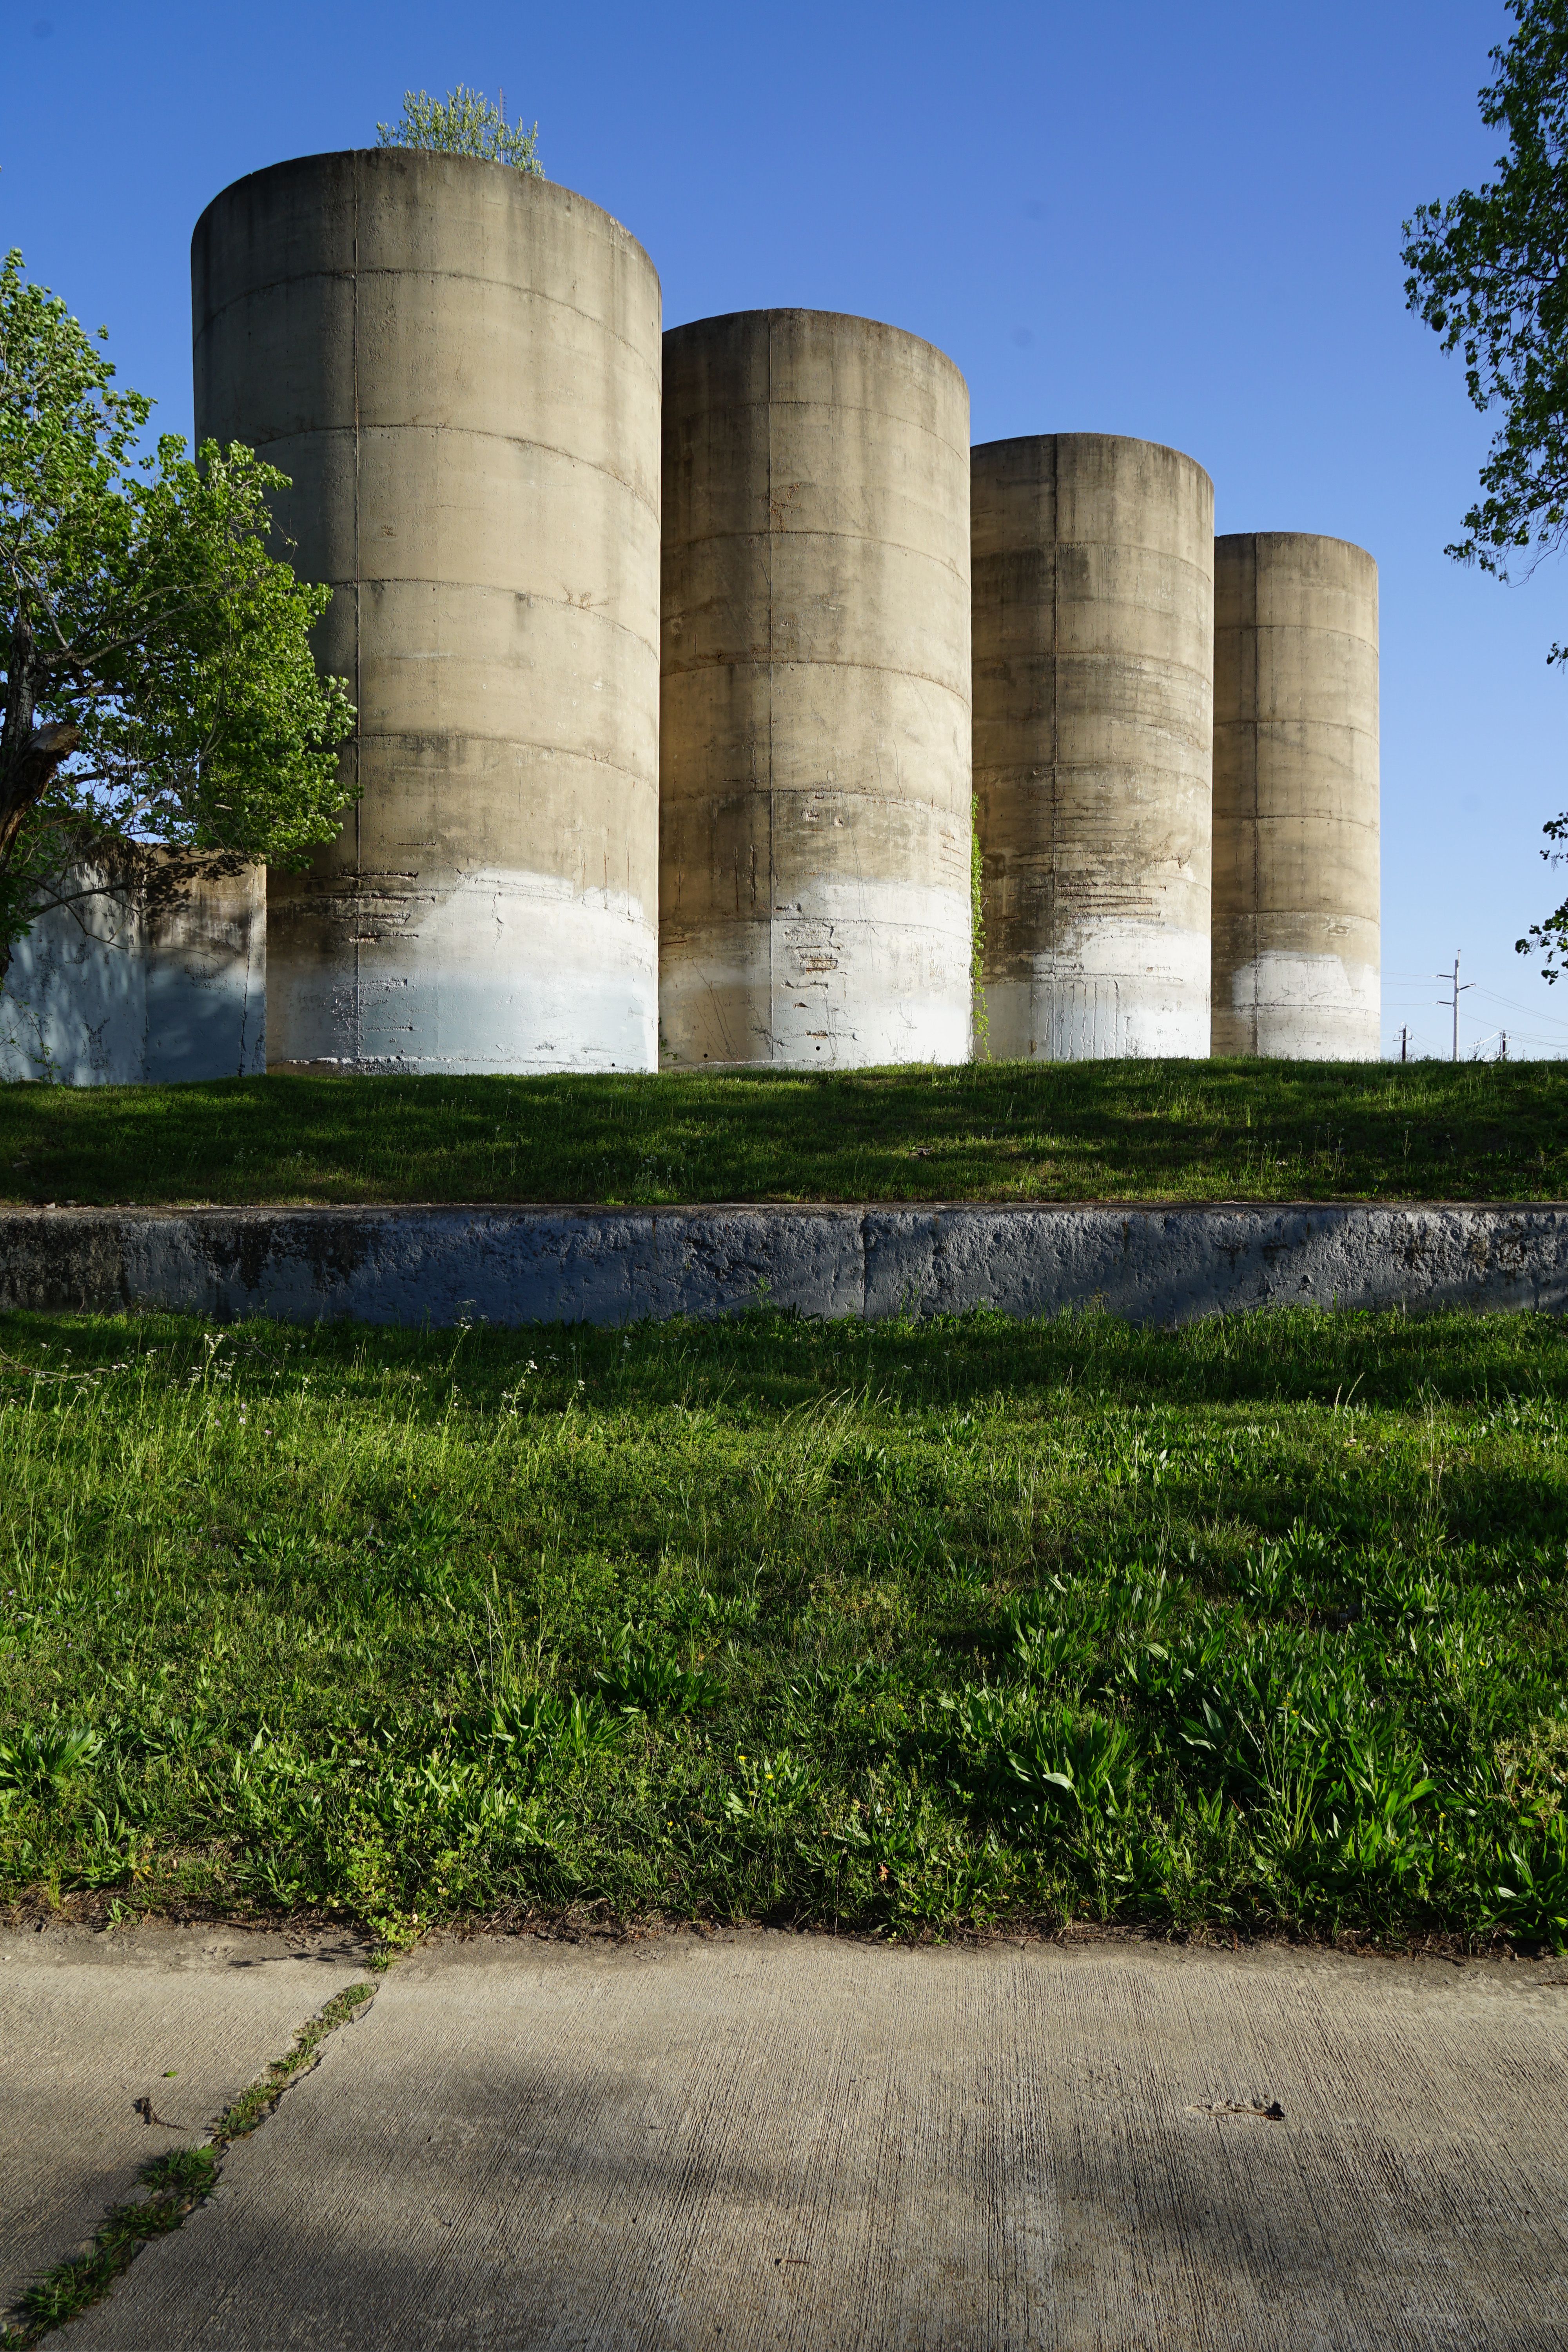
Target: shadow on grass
(1127, 1130)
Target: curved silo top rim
(835, 318)
(1294, 538)
(1124, 440)
(543, 190)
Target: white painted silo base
(867, 973)
(1309, 1008)
(1133, 991)
(499, 972)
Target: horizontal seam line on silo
(1039, 770)
(841, 921)
(1319, 726)
(1320, 820)
(812, 661)
(773, 312)
(459, 276)
(850, 539)
(835, 792)
(484, 588)
(1297, 629)
(470, 433)
(675, 411)
(518, 742)
(1125, 546)
(1188, 781)
(1135, 664)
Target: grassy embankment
(895, 1627)
(1002, 1131)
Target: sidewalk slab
(91, 2022)
(765, 2140)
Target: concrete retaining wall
(513, 1265)
(119, 988)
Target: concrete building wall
(1295, 883)
(459, 366)
(816, 786)
(1093, 566)
(205, 954)
(118, 987)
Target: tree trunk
(29, 769)
(30, 757)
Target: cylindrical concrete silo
(1093, 718)
(814, 732)
(459, 366)
(1296, 936)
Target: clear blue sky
(1130, 218)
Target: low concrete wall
(512, 1265)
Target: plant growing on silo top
(159, 685)
(464, 122)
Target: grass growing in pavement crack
(906, 1628)
(177, 2182)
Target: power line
(1515, 1006)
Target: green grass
(904, 1628)
(1004, 1131)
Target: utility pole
(1405, 1045)
(1503, 1047)
(1453, 1001)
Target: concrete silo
(458, 365)
(815, 733)
(1093, 559)
(1296, 923)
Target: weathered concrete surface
(90, 2024)
(1296, 910)
(513, 1265)
(123, 986)
(457, 364)
(815, 731)
(1093, 562)
(765, 2140)
(205, 954)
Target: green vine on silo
(980, 1018)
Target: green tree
(159, 687)
(464, 122)
(1489, 273)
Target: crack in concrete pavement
(83, 2017)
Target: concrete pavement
(765, 2140)
(90, 2024)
